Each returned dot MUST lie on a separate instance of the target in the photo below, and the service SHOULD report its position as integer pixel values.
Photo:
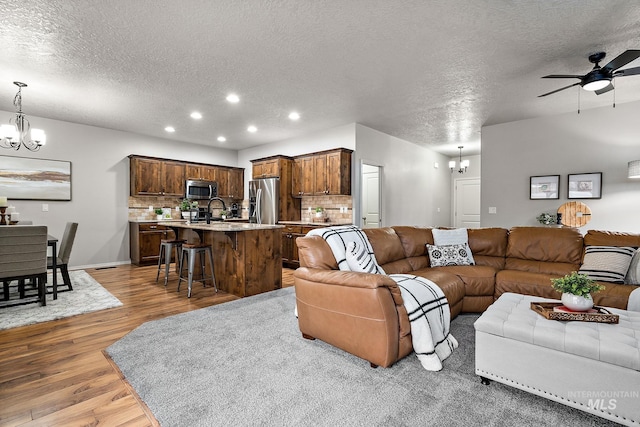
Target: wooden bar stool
(190, 250)
(166, 247)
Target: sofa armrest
(360, 313)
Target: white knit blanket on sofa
(425, 302)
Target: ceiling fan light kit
(600, 79)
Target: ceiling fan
(599, 78)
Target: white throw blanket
(429, 315)
(634, 300)
(338, 237)
(425, 302)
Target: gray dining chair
(64, 253)
(23, 255)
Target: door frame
(358, 220)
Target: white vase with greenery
(576, 290)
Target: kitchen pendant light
(463, 165)
(19, 133)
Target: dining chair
(64, 253)
(23, 255)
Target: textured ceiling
(429, 72)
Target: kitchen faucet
(208, 214)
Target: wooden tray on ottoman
(602, 315)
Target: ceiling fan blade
(627, 72)
(558, 90)
(621, 60)
(562, 76)
(604, 90)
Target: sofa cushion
(556, 251)
(358, 259)
(456, 236)
(414, 241)
(388, 249)
(314, 252)
(607, 263)
(611, 238)
(633, 274)
(489, 246)
(449, 255)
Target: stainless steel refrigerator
(264, 203)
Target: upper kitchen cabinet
(236, 183)
(198, 171)
(266, 168)
(323, 173)
(154, 177)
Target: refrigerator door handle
(259, 205)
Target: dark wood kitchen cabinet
(280, 167)
(323, 173)
(266, 168)
(144, 242)
(156, 177)
(236, 183)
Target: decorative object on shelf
(633, 169)
(576, 290)
(18, 132)
(27, 178)
(463, 165)
(585, 186)
(574, 214)
(546, 218)
(559, 218)
(544, 187)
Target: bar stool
(166, 247)
(190, 250)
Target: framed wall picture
(585, 185)
(544, 187)
(24, 178)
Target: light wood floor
(55, 373)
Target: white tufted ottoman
(594, 367)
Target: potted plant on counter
(188, 209)
(576, 290)
(158, 212)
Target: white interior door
(467, 203)
(370, 196)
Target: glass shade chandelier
(463, 165)
(18, 132)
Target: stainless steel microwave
(200, 190)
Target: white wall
(413, 189)
(596, 140)
(99, 184)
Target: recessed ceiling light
(233, 98)
(294, 116)
(252, 129)
(170, 129)
(196, 115)
(221, 138)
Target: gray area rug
(245, 363)
(87, 296)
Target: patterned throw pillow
(633, 275)
(607, 263)
(456, 236)
(358, 259)
(449, 255)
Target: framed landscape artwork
(544, 187)
(585, 185)
(23, 178)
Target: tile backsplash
(339, 209)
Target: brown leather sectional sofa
(363, 314)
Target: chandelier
(19, 131)
(463, 165)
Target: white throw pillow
(633, 274)
(457, 236)
(444, 255)
(358, 259)
(607, 263)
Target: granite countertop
(310, 223)
(220, 226)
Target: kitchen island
(247, 258)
